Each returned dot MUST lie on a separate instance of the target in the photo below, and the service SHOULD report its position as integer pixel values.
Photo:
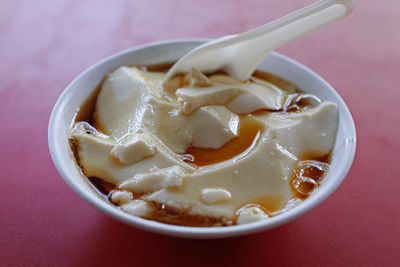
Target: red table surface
(45, 44)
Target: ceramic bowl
(76, 93)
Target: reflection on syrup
(306, 177)
(269, 202)
(249, 132)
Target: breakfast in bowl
(202, 150)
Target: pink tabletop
(44, 44)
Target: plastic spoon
(239, 55)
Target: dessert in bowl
(155, 169)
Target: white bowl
(74, 95)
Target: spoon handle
(241, 54)
(272, 35)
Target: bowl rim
(187, 231)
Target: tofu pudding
(203, 150)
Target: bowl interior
(277, 64)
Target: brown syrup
(300, 105)
(102, 186)
(249, 131)
(279, 82)
(88, 110)
(175, 216)
(163, 67)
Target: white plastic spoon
(239, 55)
